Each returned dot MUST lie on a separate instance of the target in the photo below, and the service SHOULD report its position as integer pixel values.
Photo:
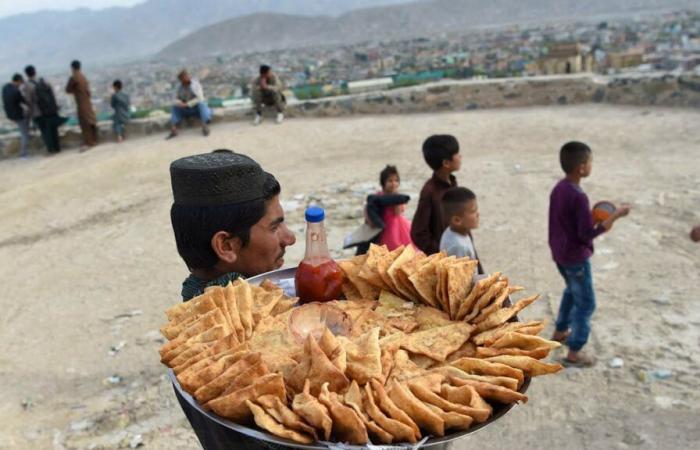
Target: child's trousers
(577, 304)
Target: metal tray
(438, 443)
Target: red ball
(602, 211)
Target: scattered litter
(127, 315)
(81, 425)
(662, 300)
(155, 336)
(112, 380)
(27, 403)
(652, 375)
(136, 441)
(116, 348)
(616, 363)
(661, 374)
(517, 167)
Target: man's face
(185, 78)
(268, 240)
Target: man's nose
(289, 238)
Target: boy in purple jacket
(571, 234)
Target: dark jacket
(428, 222)
(12, 100)
(377, 202)
(375, 212)
(120, 104)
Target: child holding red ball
(571, 233)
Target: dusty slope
(88, 262)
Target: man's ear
(226, 247)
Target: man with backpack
(16, 110)
(43, 109)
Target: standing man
(190, 102)
(80, 88)
(267, 90)
(16, 110)
(43, 109)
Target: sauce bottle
(318, 278)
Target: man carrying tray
(228, 223)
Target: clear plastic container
(318, 277)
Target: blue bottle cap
(314, 214)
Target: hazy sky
(10, 7)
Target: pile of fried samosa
(429, 351)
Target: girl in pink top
(397, 229)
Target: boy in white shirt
(461, 212)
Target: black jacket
(12, 100)
(376, 204)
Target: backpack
(45, 98)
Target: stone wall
(448, 95)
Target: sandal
(561, 336)
(582, 361)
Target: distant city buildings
(668, 42)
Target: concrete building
(563, 58)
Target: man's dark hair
(117, 85)
(194, 226)
(30, 71)
(264, 69)
(17, 77)
(388, 171)
(438, 148)
(455, 200)
(572, 155)
(75, 65)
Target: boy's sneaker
(173, 134)
(205, 130)
(280, 118)
(258, 119)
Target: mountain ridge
(388, 22)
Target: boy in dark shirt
(120, 104)
(571, 234)
(441, 153)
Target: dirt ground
(88, 265)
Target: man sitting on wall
(267, 90)
(190, 102)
